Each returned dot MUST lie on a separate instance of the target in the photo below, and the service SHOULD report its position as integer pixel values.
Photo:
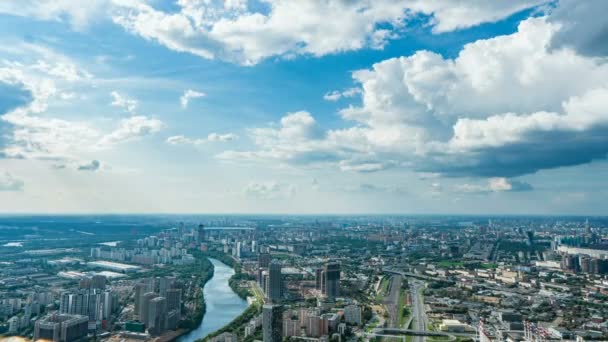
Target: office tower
(319, 279)
(141, 288)
(98, 282)
(174, 298)
(201, 233)
(332, 280)
(585, 264)
(144, 309)
(164, 284)
(272, 323)
(264, 260)
(108, 304)
(275, 282)
(157, 316)
(61, 328)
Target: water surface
(223, 305)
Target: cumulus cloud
(503, 107)
(10, 183)
(132, 128)
(93, 165)
(124, 102)
(270, 190)
(212, 137)
(188, 95)
(496, 184)
(582, 28)
(78, 16)
(248, 33)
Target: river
(223, 305)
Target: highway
(419, 319)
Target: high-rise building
(98, 282)
(275, 282)
(352, 314)
(264, 260)
(145, 307)
(332, 280)
(314, 328)
(61, 328)
(201, 233)
(164, 284)
(319, 279)
(291, 327)
(272, 322)
(141, 288)
(157, 316)
(174, 299)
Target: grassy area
(448, 264)
(488, 265)
(404, 310)
(383, 289)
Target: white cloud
(10, 183)
(245, 34)
(492, 111)
(124, 102)
(217, 137)
(188, 95)
(78, 16)
(270, 190)
(131, 128)
(212, 137)
(336, 95)
(495, 184)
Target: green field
(448, 264)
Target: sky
(312, 106)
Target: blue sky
(277, 106)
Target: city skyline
(132, 106)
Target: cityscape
(303, 170)
(326, 278)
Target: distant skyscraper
(141, 288)
(157, 316)
(201, 233)
(164, 284)
(272, 323)
(144, 308)
(275, 282)
(174, 297)
(332, 280)
(319, 279)
(63, 327)
(264, 260)
(98, 282)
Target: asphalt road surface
(420, 320)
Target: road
(392, 301)
(419, 319)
